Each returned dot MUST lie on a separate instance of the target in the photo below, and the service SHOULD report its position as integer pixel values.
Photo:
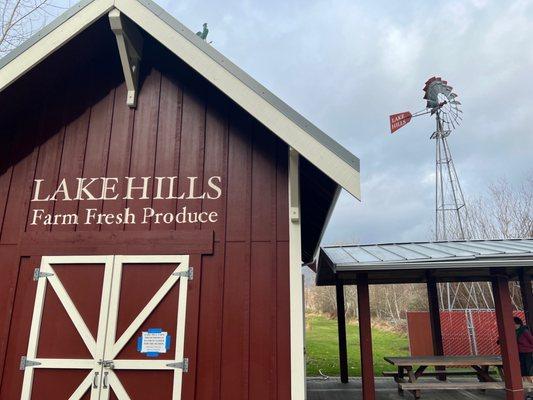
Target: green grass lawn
(323, 350)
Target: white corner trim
(52, 41)
(296, 137)
(297, 325)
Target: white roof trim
(322, 151)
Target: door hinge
(184, 365)
(186, 274)
(24, 362)
(38, 274)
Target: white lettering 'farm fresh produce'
(88, 191)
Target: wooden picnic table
(407, 376)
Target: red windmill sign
(399, 120)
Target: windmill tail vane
(401, 119)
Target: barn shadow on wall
(33, 116)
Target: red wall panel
(460, 337)
(420, 337)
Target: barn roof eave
(295, 130)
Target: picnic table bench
(407, 376)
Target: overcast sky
(346, 65)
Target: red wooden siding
(119, 155)
(237, 336)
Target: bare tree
(21, 18)
(506, 212)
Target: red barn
(156, 206)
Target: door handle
(95, 380)
(105, 385)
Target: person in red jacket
(525, 349)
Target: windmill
(450, 208)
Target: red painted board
(19, 331)
(239, 179)
(263, 185)
(9, 267)
(191, 155)
(143, 147)
(119, 152)
(209, 365)
(71, 168)
(236, 323)
(96, 155)
(216, 164)
(263, 378)
(167, 151)
(283, 339)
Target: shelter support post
(527, 297)
(434, 319)
(341, 326)
(365, 337)
(506, 330)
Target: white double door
(104, 364)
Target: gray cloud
(347, 65)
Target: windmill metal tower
(450, 207)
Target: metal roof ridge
(424, 245)
(390, 251)
(479, 246)
(415, 251)
(521, 245)
(373, 255)
(505, 245)
(348, 254)
(447, 245)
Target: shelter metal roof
(389, 261)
